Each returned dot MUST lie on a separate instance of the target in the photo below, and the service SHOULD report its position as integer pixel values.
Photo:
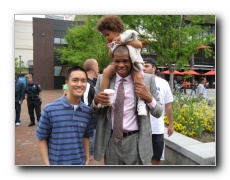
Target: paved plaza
(26, 147)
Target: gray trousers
(124, 152)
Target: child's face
(110, 35)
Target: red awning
(192, 72)
(202, 47)
(175, 72)
(210, 73)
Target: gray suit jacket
(103, 126)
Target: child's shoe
(141, 108)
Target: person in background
(66, 125)
(193, 87)
(33, 97)
(185, 85)
(19, 97)
(207, 85)
(157, 124)
(65, 89)
(129, 143)
(201, 91)
(213, 85)
(92, 70)
(158, 73)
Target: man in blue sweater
(19, 97)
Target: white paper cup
(111, 95)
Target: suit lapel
(112, 82)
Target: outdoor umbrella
(192, 72)
(210, 73)
(202, 47)
(175, 72)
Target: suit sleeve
(158, 110)
(97, 90)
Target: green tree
(174, 38)
(19, 65)
(84, 42)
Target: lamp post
(20, 63)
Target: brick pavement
(26, 147)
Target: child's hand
(143, 92)
(118, 40)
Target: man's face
(110, 35)
(122, 63)
(96, 69)
(205, 80)
(77, 83)
(148, 68)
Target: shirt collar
(127, 78)
(66, 103)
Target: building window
(60, 41)
(30, 70)
(63, 41)
(57, 40)
(57, 70)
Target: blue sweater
(63, 128)
(19, 90)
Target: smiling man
(66, 124)
(133, 145)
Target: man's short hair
(158, 73)
(74, 68)
(150, 61)
(202, 78)
(89, 64)
(120, 48)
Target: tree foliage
(174, 38)
(19, 65)
(84, 42)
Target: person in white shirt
(157, 124)
(201, 90)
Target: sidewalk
(26, 147)
(211, 93)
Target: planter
(182, 150)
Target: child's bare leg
(137, 77)
(141, 106)
(107, 72)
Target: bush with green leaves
(192, 116)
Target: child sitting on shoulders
(112, 28)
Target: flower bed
(192, 116)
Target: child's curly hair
(112, 23)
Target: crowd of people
(80, 125)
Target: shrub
(192, 116)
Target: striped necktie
(118, 113)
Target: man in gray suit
(135, 148)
